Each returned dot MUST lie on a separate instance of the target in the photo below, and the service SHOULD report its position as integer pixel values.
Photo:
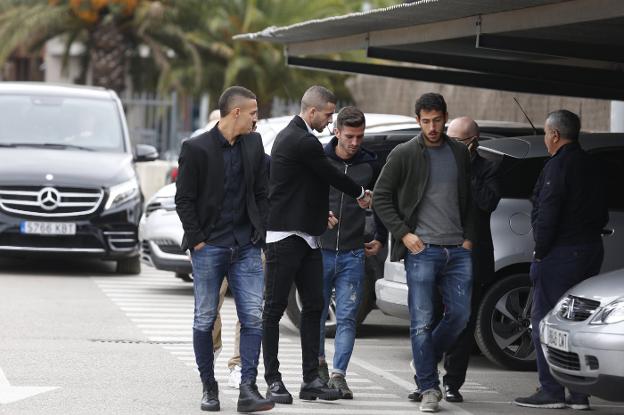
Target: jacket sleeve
(381, 233)
(186, 194)
(546, 217)
(486, 187)
(384, 201)
(470, 221)
(312, 155)
(261, 184)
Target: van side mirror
(145, 152)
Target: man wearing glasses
(485, 197)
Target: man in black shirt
(299, 197)
(221, 200)
(569, 213)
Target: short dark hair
(430, 102)
(566, 122)
(227, 100)
(317, 96)
(350, 117)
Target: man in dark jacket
(344, 247)
(569, 213)
(299, 197)
(222, 203)
(485, 187)
(423, 197)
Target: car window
(612, 160)
(61, 121)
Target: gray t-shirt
(439, 220)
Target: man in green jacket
(423, 198)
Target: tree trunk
(108, 56)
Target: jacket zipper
(340, 212)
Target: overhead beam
(603, 52)
(471, 79)
(543, 71)
(550, 15)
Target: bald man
(485, 197)
(301, 174)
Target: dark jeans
(243, 267)
(287, 261)
(562, 268)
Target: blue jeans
(344, 271)
(449, 270)
(243, 268)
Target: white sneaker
(430, 399)
(234, 379)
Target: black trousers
(287, 261)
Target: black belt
(445, 246)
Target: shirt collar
(307, 126)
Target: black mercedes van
(67, 180)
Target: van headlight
(121, 193)
(611, 313)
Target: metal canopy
(555, 47)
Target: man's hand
(367, 200)
(199, 246)
(413, 243)
(372, 248)
(331, 220)
(467, 245)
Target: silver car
(583, 337)
(503, 329)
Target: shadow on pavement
(55, 266)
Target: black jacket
(569, 201)
(485, 185)
(299, 181)
(199, 186)
(363, 168)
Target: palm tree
(111, 30)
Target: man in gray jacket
(423, 197)
(344, 247)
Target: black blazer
(299, 181)
(199, 186)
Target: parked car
(503, 331)
(160, 233)
(67, 178)
(583, 337)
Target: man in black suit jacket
(221, 200)
(299, 184)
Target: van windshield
(60, 122)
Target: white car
(160, 233)
(583, 337)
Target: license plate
(557, 339)
(48, 228)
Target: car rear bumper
(392, 298)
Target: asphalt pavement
(75, 338)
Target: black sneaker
(317, 389)
(451, 394)
(540, 399)
(415, 396)
(250, 400)
(278, 393)
(580, 403)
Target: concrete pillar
(617, 116)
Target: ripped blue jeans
(447, 269)
(344, 272)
